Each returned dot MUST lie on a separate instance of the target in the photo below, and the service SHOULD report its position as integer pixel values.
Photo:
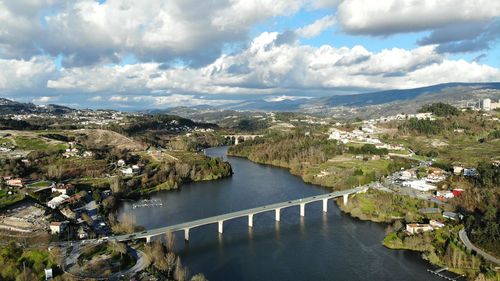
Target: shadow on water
(319, 246)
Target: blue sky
(157, 54)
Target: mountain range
(362, 105)
(451, 92)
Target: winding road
(463, 236)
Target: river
(320, 246)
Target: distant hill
(12, 107)
(383, 97)
(377, 103)
(362, 105)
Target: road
(463, 236)
(141, 264)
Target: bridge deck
(233, 215)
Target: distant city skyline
(158, 54)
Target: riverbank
(441, 248)
(319, 161)
(333, 243)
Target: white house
(420, 185)
(414, 228)
(127, 171)
(57, 226)
(48, 273)
(56, 201)
(436, 224)
(406, 175)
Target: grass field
(39, 184)
(346, 172)
(460, 149)
(5, 141)
(6, 200)
(38, 144)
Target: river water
(320, 246)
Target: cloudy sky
(162, 53)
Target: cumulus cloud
(317, 27)
(463, 37)
(88, 32)
(30, 74)
(394, 16)
(456, 26)
(266, 67)
(42, 100)
(177, 58)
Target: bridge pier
(250, 220)
(236, 141)
(186, 234)
(325, 205)
(345, 197)
(277, 214)
(302, 209)
(221, 226)
(148, 239)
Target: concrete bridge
(239, 138)
(219, 220)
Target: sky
(165, 53)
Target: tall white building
(486, 104)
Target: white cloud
(320, 4)
(242, 13)
(96, 98)
(284, 98)
(186, 100)
(269, 68)
(394, 16)
(118, 98)
(316, 28)
(25, 74)
(42, 100)
(88, 32)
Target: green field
(31, 143)
(5, 141)
(6, 200)
(39, 184)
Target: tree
(180, 273)
(199, 277)
(117, 185)
(88, 220)
(170, 240)
(440, 109)
(109, 203)
(127, 224)
(26, 275)
(117, 248)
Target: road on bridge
(243, 213)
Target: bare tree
(117, 248)
(170, 241)
(180, 273)
(171, 260)
(199, 277)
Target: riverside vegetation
(164, 148)
(308, 155)
(453, 138)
